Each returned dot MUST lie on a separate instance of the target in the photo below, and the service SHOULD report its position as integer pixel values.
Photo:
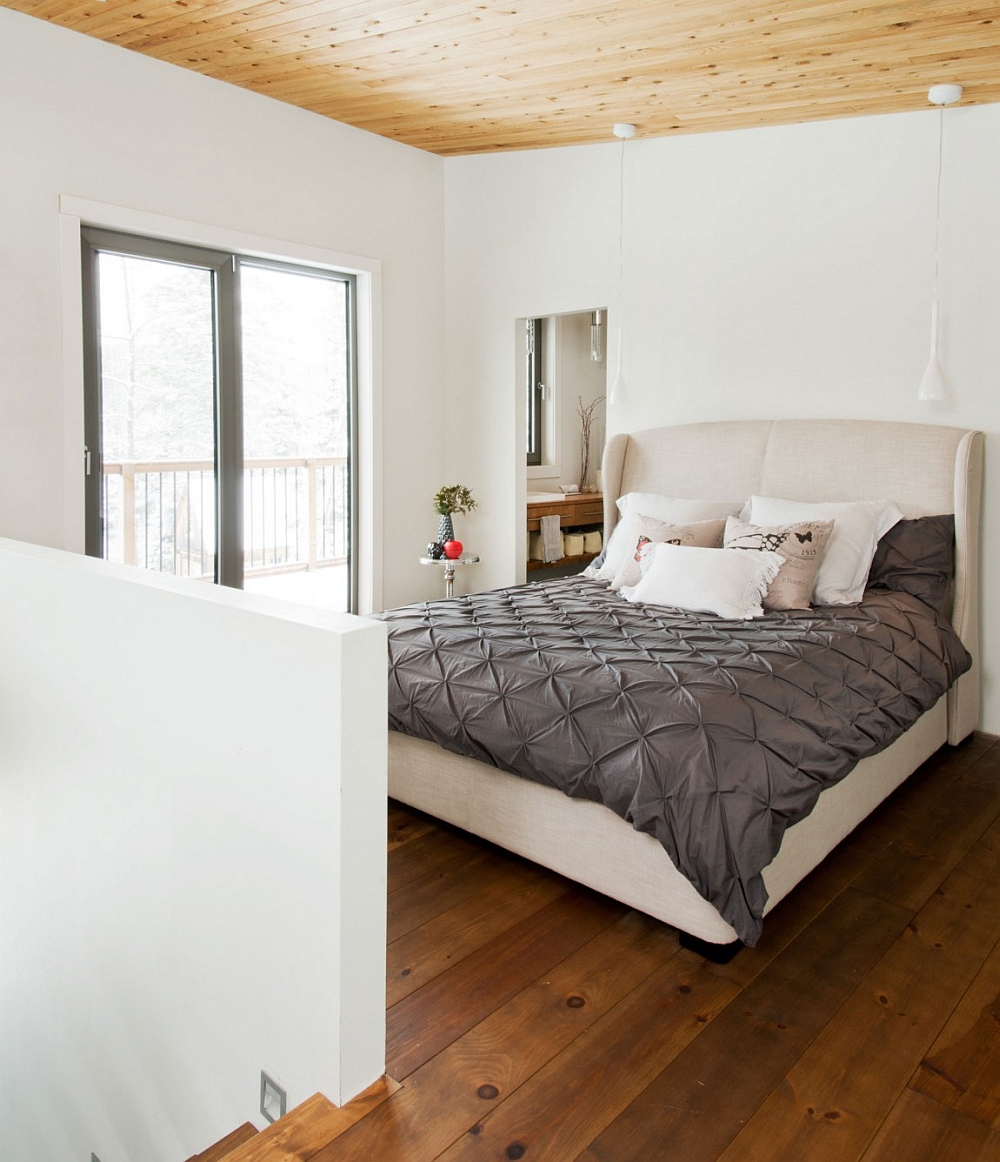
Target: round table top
(464, 559)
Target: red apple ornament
(453, 550)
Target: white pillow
(857, 527)
(727, 582)
(666, 510)
(702, 534)
(623, 540)
(674, 510)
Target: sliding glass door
(219, 417)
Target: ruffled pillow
(727, 582)
(800, 545)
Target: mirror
(563, 383)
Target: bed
(927, 470)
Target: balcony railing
(161, 515)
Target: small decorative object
(452, 550)
(449, 499)
(586, 415)
(435, 550)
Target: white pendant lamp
(933, 385)
(623, 131)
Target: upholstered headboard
(926, 469)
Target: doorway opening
(563, 382)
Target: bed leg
(716, 953)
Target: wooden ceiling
(481, 75)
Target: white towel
(552, 548)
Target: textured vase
(446, 531)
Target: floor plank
(425, 1022)
(306, 1129)
(435, 892)
(751, 1046)
(448, 1095)
(406, 825)
(921, 1130)
(912, 866)
(962, 1069)
(514, 893)
(879, 1036)
(224, 1148)
(438, 848)
(601, 1072)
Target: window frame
(534, 391)
(225, 266)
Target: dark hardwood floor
(531, 1018)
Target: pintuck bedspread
(713, 735)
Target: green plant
(453, 498)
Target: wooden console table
(577, 510)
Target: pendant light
(623, 131)
(933, 385)
(596, 343)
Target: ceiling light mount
(624, 129)
(944, 94)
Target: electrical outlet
(273, 1099)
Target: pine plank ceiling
(476, 77)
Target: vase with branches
(586, 415)
(448, 500)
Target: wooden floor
(531, 1018)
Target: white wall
(82, 118)
(192, 857)
(772, 272)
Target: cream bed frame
(925, 469)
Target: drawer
(584, 508)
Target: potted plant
(449, 499)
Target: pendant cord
(937, 209)
(621, 232)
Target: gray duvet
(713, 735)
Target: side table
(449, 564)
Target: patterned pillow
(917, 557)
(800, 545)
(858, 525)
(704, 534)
